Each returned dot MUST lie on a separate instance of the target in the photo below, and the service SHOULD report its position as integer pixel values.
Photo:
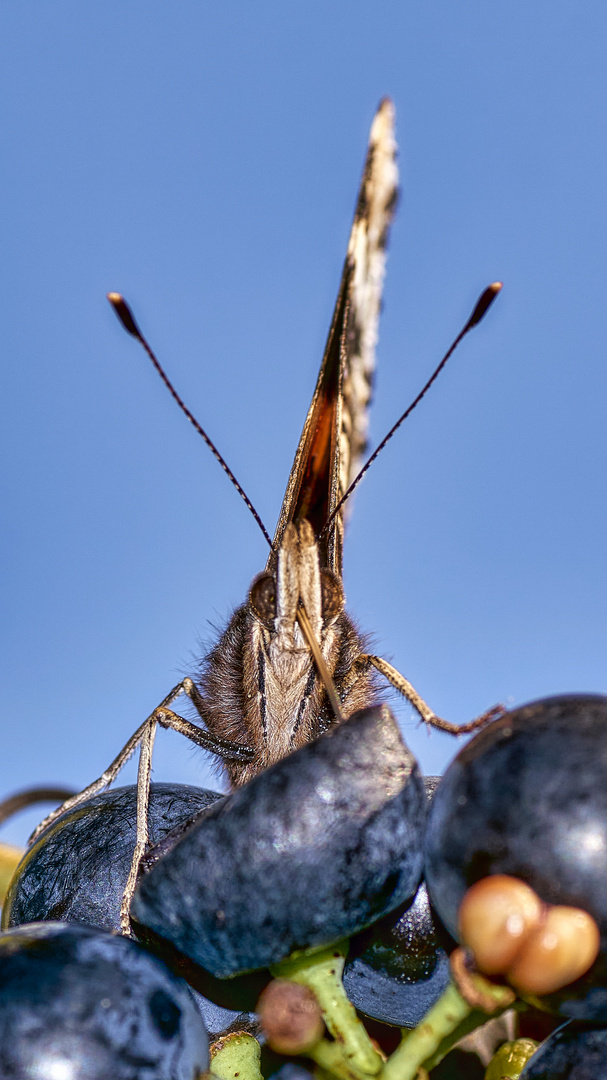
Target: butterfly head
(300, 578)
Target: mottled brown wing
(334, 436)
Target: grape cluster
(360, 888)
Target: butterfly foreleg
(223, 748)
(427, 714)
(98, 785)
(143, 737)
(143, 832)
(165, 716)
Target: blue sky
(203, 159)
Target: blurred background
(203, 159)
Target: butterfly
(291, 661)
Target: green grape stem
(443, 1026)
(352, 1055)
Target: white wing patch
(367, 258)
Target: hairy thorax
(259, 684)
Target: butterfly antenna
(482, 306)
(125, 315)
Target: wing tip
(382, 128)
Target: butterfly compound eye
(262, 597)
(333, 598)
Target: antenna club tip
(484, 303)
(124, 313)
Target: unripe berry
(495, 917)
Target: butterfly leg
(98, 785)
(113, 769)
(165, 716)
(144, 737)
(143, 833)
(223, 748)
(427, 714)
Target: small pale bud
(290, 1017)
(495, 917)
(557, 953)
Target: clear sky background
(203, 159)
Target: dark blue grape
(528, 797)
(398, 968)
(573, 1052)
(309, 851)
(82, 1004)
(77, 869)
